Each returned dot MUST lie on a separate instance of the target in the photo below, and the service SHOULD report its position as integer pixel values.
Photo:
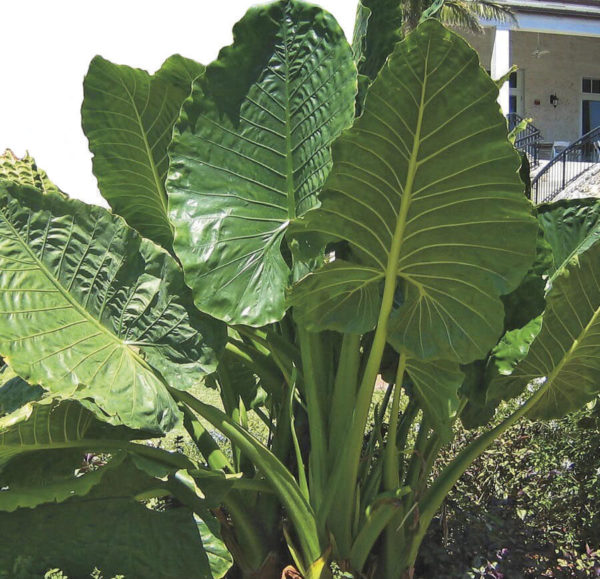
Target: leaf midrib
(289, 160)
(568, 356)
(391, 274)
(162, 196)
(70, 299)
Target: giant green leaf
(424, 189)
(563, 361)
(251, 151)
(128, 117)
(88, 309)
(108, 529)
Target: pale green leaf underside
(42, 443)
(43, 425)
(564, 356)
(427, 174)
(88, 309)
(128, 117)
(251, 151)
(332, 291)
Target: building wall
(560, 72)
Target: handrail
(566, 166)
(527, 140)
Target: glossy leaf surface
(88, 309)
(251, 151)
(128, 117)
(424, 187)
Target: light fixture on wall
(553, 100)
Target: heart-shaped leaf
(88, 309)
(424, 189)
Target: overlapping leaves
(563, 360)
(108, 528)
(251, 151)
(424, 189)
(570, 228)
(88, 309)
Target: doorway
(590, 115)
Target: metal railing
(566, 166)
(527, 140)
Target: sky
(46, 47)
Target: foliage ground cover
(528, 507)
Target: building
(556, 46)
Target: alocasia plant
(309, 218)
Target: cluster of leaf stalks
(268, 240)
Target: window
(591, 85)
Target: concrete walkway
(587, 185)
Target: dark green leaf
(109, 530)
(377, 29)
(528, 300)
(15, 392)
(436, 386)
(251, 151)
(571, 226)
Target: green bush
(529, 506)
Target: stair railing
(527, 140)
(566, 166)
